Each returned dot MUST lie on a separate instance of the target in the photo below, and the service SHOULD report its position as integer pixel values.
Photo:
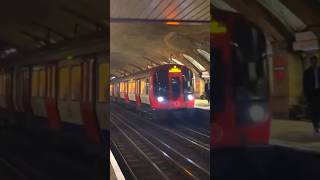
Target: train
(67, 97)
(240, 115)
(159, 91)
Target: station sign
(306, 41)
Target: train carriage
(240, 115)
(158, 90)
(68, 97)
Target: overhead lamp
(172, 23)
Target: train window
(217, 79)
(53, 82)
(91, 78)
(175, 82)
(160, 83)
(25, 84)
(130, 87)
(1, 85)
(142, 86)
(85, 80)
(35, 83)
(188, 81)
(138, 87)
(76, 83)
(147, 86)
(48, 79)
(250, 75)
(64, 83)
(103, 82)
(42, 83)
(133, 87)
(111, 89)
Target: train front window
(175, 82)
(160, 83)
(250, 79)
(188, 83)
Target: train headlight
(160, 99)
(256, 113)
(190, 97)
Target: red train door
(175, 86)
(88, 100)
(54, 121)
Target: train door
(175, 86)
(2, 90)
(102, 101)
(38, 92)
(88, 101)
(8, 86)
(51, 98)
(17, 90)
(137, 93)
(69, 95)
(118, 89)
(26, 90)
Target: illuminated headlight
(190, 97)
(256, 113)
(160, 99)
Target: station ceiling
(34, 24)
(158, 10)
(280, 19)
(152, 32)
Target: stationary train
(240, 115)
(159, 90)
(67, 96)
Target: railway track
(190, 133)
(188, 163)
(146, 160)
(197, 142)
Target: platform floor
(112, 174)
(115, 171)
(296, 134)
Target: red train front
(240, 111)
(166, 87)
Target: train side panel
(102, 105)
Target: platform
(115, 171)
(296, 134)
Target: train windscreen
(175, 83)
(160, 83)
(188, 83)
(250, 77)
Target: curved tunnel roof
(150, 32)
(281, 19)
(27, 26)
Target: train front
(171, 89)
(241, 114)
